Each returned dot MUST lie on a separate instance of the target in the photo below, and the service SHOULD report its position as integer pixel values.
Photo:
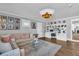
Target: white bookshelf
(61, 33)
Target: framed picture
(10, 26)
(4, 18)
(17, 20)
(64, 21)
(2, 26)
(10, 19)
(33, 24)
(17, 26)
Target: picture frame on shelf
(54, 22)
(62, 25)
(63, 31)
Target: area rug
(45, 48)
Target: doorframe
(71, 30)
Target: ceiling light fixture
(47, 14)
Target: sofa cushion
(15, 52)
(20, 36)
(23, 42)
(4, 47)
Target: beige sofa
(20, 40)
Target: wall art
(10, 19)
(64, 21)
(10, 27)
(33, 24)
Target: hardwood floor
(68, 48)
(75, 36)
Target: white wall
(40, 29)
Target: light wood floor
(68, 48)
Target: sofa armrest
(22, 52)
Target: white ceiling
(32, 10)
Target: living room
(48, 30)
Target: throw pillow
(4, 47)
(6, 38)
(13, 44)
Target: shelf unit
(58, 27)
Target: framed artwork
(9, 23)
(17, 26)
(4, 18)
(33, 24)
(2, 26)
(3, 22)
(10, 26)
(10, 19)
(17, 20)
(64, 21)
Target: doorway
(75, 30)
